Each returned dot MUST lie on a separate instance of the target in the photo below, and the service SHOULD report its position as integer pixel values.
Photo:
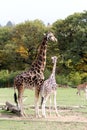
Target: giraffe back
(29, 79)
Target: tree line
(19, 46)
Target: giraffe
(82, 87)
(48, 88)
(34, 77)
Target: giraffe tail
(42, 98)
(15, 97)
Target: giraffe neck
(40, 61)
(53, 71)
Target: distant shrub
(61, 79)
(72, 80)
(6, 78)
(47, 74)
(75, 78)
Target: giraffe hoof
(58, 115)
(38, 116)
(23, 114)
(49, 114)
(44, 116)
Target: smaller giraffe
(48, 88)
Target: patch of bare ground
(67, 114)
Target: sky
(49, 11)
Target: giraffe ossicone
(34, 77)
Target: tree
(4, 38)
(19, 45)
(9, 24)
(72, 36)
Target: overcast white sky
(48, 11)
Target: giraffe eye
(50, 36)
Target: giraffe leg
(43, 106)
(86, 93)
(37, 103)
(50, 103)
(79, 93)
(55, 104)
(20, 101)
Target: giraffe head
(50, 36)
(54, 59)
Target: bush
(6, 78)
(61, 79)
(75, 78)
(47, 74)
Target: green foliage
(61, 80)
(47, 74)
(6, 78)
(3, 78)
(75, 78)
(72, 37)
(19, 45)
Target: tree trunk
(12, 108)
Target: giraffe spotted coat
(49, 87)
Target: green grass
(65, 97)
(29, 125)
(68, 97)
(7, 94)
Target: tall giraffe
(34, 77)
(49, 87)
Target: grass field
(65, 96)
(72, 108)
(41, 125)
